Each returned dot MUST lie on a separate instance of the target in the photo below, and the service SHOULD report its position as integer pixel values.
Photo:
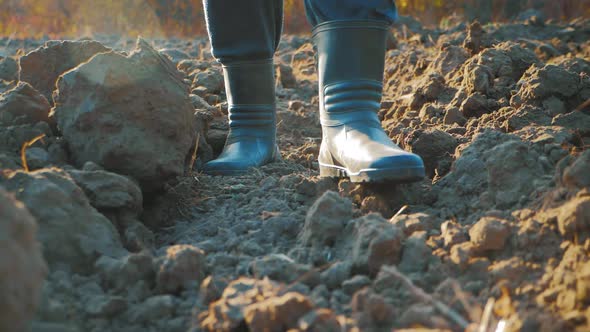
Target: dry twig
(487, 315)
(401, 210)
(194, 156)
(23, 151)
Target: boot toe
(400, 161)
(238, 159)
(226, 167)
(400, 168)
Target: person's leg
(244, 36)
(350, 36)
(246, 30)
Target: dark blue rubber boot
(350, 66)
(251, 141)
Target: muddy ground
(135, 238)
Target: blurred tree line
(62, 18)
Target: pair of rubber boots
(354, 145)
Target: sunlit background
(184, 18)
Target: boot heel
(327, 164)
(332, 172)
(277, 154)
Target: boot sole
(239, 172)
(229, 172)
(394, 174)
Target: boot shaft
(250, 90)
(350, 50)
(251, 141)
(351, 56)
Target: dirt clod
(577, 174)
(257, 304)
(489, 234)
(277, 313)
(574, 218)
(326, 219)
(376, 243)
(182, 265)
(72, 232)
(149, 139)
(109, 191)
(477, 38)
(22, 265)
(23, 105)
(319, 320)
(8, 69)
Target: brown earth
(137, 239)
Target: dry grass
(23, 151)
(26, 18)
(401, 210)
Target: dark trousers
(250, 30)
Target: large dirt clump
(41, 67)
(130, 114)
(22, 268)
(73, 234)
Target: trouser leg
(319, 11)
(243, 30)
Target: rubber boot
(350, 66)
(251, 141)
